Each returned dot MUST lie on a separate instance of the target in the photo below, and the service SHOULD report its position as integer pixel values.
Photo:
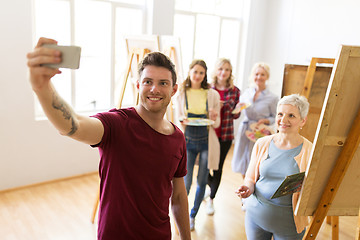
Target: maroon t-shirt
(136, 168)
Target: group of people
(219, 101)
(147, 162)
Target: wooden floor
(62, 211)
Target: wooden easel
(357, 236)
(351, 144)
(171, 53)
(139, 53)
(332, 175)
(314, 110)
(311, 81)
(311, 73)
(331, 220)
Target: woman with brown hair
(196, 100)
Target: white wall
(294, 31)
(30, 151)
(160, 17)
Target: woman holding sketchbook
(273, 158)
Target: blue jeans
(196, 143)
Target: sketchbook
(291, 184)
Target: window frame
(39, 114)
(240, 20)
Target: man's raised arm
(61, 115)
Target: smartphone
(70, 56)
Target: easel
(140, 54)
(170, 52)
(333, 169)
(331, 220)
(351, 144)
(311, 81)
(314, 112)
(357, 236)
(311, 73)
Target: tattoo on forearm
(59, 104)
(74, 128)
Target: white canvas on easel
(167, 42)
(134, 44)
(150, 42)
(170, 46)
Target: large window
(98, 26)
(208, 29)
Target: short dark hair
(160, 60)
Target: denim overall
(196, 143)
